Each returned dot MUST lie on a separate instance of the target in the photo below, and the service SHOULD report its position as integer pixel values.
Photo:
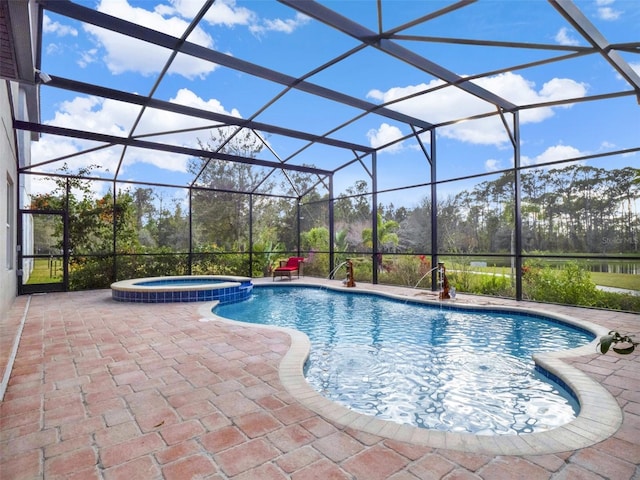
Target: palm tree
(387, 236)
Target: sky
(276, 37)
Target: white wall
(8, 171)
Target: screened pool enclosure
(219, 137)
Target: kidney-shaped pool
(439, 368)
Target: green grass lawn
(618, 280)
(45, 272)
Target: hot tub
(191, 288)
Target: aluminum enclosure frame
(386, 42)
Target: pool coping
(599, 418)
(133, 285)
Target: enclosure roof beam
(133, 142)
(84, 14)
(589, 31)
(363, 34)
(132, 98)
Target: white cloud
(563, 37)
(158, 121)
(50, 147)
(608, 13)
(552, 154)
(278, 25)
(45, 185)
(53, 49)
(450, 103)
(115, 118)
(95, 115)
(488, 131)
(184, 96)
(492, 165)
(225, 12)
(605, 12)
(222, 12)
(561, 89)
(87, 57)
(385, 134)
(123, 54)
(49, 26)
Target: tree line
(574, 209)
(231, 209)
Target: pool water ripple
(439, 369)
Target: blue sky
(276, 37)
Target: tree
(316, 239)
(301, 190)
(91, 218)
(145, 209)
(414, 233)
(355, 206)
(387, 234)
(173, 229)
(221, 209)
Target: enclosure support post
(517, 186)
(114, 239)
(374, 216)
(190, 256)
(251, 235)
(298, 219)
(66, 240)
(332, 229)
(434, 212)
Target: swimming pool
(439, 368)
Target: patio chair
(287, 267)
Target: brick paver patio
(107, 390)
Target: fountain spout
(444, 282)
(423, 277)
(333, 272)
(350, 281)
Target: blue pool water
(179, 281)
(444, 369)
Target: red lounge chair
(286, 268)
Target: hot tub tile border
(235, 289)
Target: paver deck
(108, 390)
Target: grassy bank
(617, 280)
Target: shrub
(461, 277)
(315, 264)
(570, 284)
(86, 273)
(162, 263)
(219, 264)
(498, 285)
(618, 301)
(404, 270)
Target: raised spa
(193, 288)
